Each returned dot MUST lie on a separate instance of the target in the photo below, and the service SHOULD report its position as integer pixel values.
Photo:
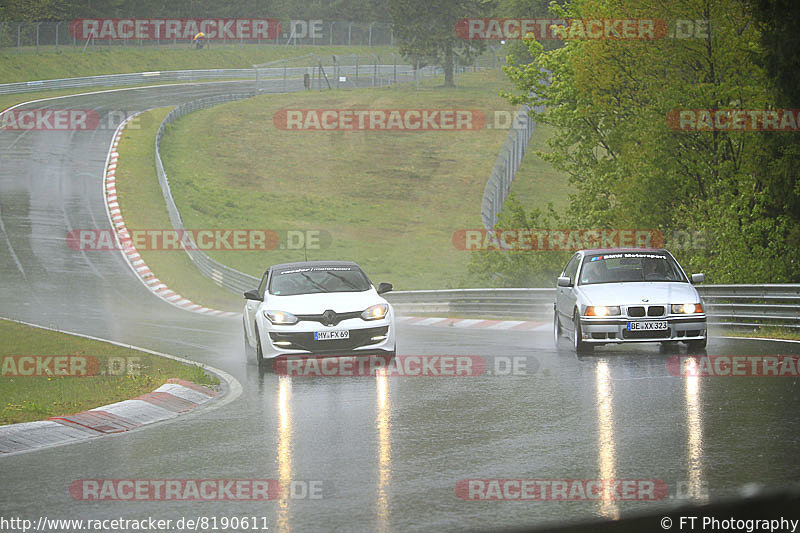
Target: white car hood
(631, 293)
(315, 304)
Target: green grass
(67, 63)
(766, 332)
(390, 200)
(536, 182)
(26, 399)
(142, 205)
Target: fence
(25, 37)
(339, 72)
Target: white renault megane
(317, 308)
(628, 295)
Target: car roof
(621, 250)
(307, 264)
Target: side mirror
(253, 295)
(698, 278)
(564, 281)
(384, 287)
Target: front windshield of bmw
(312, 280)
(629, 267)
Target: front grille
(651, 334)
(335, 318)
(638, 311)
(305, 340)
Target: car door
(565, 296)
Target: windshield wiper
(320, 287)
(345, 280)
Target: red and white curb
(129, 252)
(170, 400)
(474, 323)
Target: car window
(571, 269)
(312, 280)
(263, 285)
(630, 267)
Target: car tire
(556, 329)
(249, 352)
(577, 342)
(259, 352)
(668, 346)
(697, 345)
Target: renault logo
(329, 318)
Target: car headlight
(686, 309)
(375, 312)
(280, 317)
(601, 310)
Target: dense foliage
(609, 101)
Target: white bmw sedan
(317, 308)
(628, 295)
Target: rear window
(629, 267)
(312, 280)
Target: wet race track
(365, 453)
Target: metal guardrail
(506, 165)
(221, 274)
(136, 78)
(726, 305)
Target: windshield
(312, 280)
(628, 267)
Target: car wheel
(697, 345)
(578, 343)
(259, 351)
(556, 329)
(249, 352)
(668, 346)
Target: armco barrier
(506, 165)
(136, 78)
(219, 273)
(727, 305)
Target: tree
(426, 32)
(610, 99)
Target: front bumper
(374, 338)
(615, 330)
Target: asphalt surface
(384, 453)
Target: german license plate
(653, 325)
(331, 335)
